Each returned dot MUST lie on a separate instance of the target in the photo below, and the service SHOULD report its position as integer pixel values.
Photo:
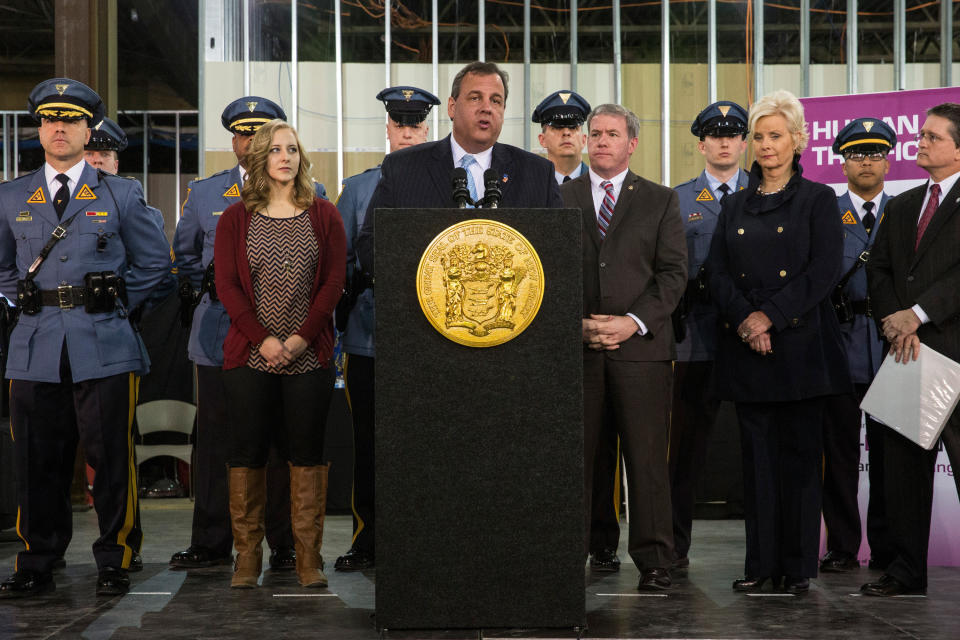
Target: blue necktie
(466, 162)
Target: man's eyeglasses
(860, 157)
(932, 138)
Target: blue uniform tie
(466, 162)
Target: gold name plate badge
(480, 283)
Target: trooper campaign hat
(865, 135)
(65, 99)
(407, 106)
(107, 136)
(562, 109)
(723, 119)
(247, 114)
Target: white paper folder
(917, 398)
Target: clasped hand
(605, 333)
(900, 329)
(755, 332)
(281, 354)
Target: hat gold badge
(867, 125)
(724, 109)
(61, 88)
(480, 283)
(565, 96)
(407, 94)
(252, 105)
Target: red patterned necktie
(928, 212)
(606, 208)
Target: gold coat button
(740, 231)
(779, 229)
(783, 274)
(743, 275)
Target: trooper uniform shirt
(113, 231)
(207, 199)
(861, 339)
(700, 209)
(357, 338)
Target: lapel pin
(630, 188)
(505, 178)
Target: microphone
(461, 194)
(491, 193)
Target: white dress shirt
(858, 203)
(73, 173)
(573, 174)
(476, 170)
(715, 182)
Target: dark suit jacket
(779, 254)
(641, 266)
(899, 277)
(420, 177)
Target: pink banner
(903, 111)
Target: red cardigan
(235, 286)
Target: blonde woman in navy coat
(773, 262)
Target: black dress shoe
(888, 586)
(283, 559)
(753, 584)
(655, 579)
(796, 584)
(112, 582)
(23, 584)
(196, 557)
(839, 562)
(354, 560)
(605, 560)
(136, 563)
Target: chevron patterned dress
(283, 256)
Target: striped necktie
(606, 208)
(466, 162)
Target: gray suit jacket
(641, 265)
(899, 277)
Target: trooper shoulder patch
(37, 197)
(85, 193)
(232, 192)
(849, 218)
(704, 196)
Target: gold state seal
(480, 283)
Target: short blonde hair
(782, 103)
(256, 189)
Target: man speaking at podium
(420, 176)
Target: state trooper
(78, 251)
(722, 130)
(407, 108)
(864, 144)
(211, 540)
(561, 116)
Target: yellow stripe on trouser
(14, 439)
(353, 488)
(131, 509)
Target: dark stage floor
(199, 604)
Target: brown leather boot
(308, 506)
(248, 495)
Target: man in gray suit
(913, 277)
(634, 272)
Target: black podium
(479, 451)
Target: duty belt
(64, 296)
(861, 307)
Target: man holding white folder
(914, 276)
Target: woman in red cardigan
(280, 256)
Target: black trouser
(691, 421)
(270, 408)
(359, 379)
(211, 506)
(782, 455)
(605, 504)
(48, 420)
(909, 488)
(841, 477)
